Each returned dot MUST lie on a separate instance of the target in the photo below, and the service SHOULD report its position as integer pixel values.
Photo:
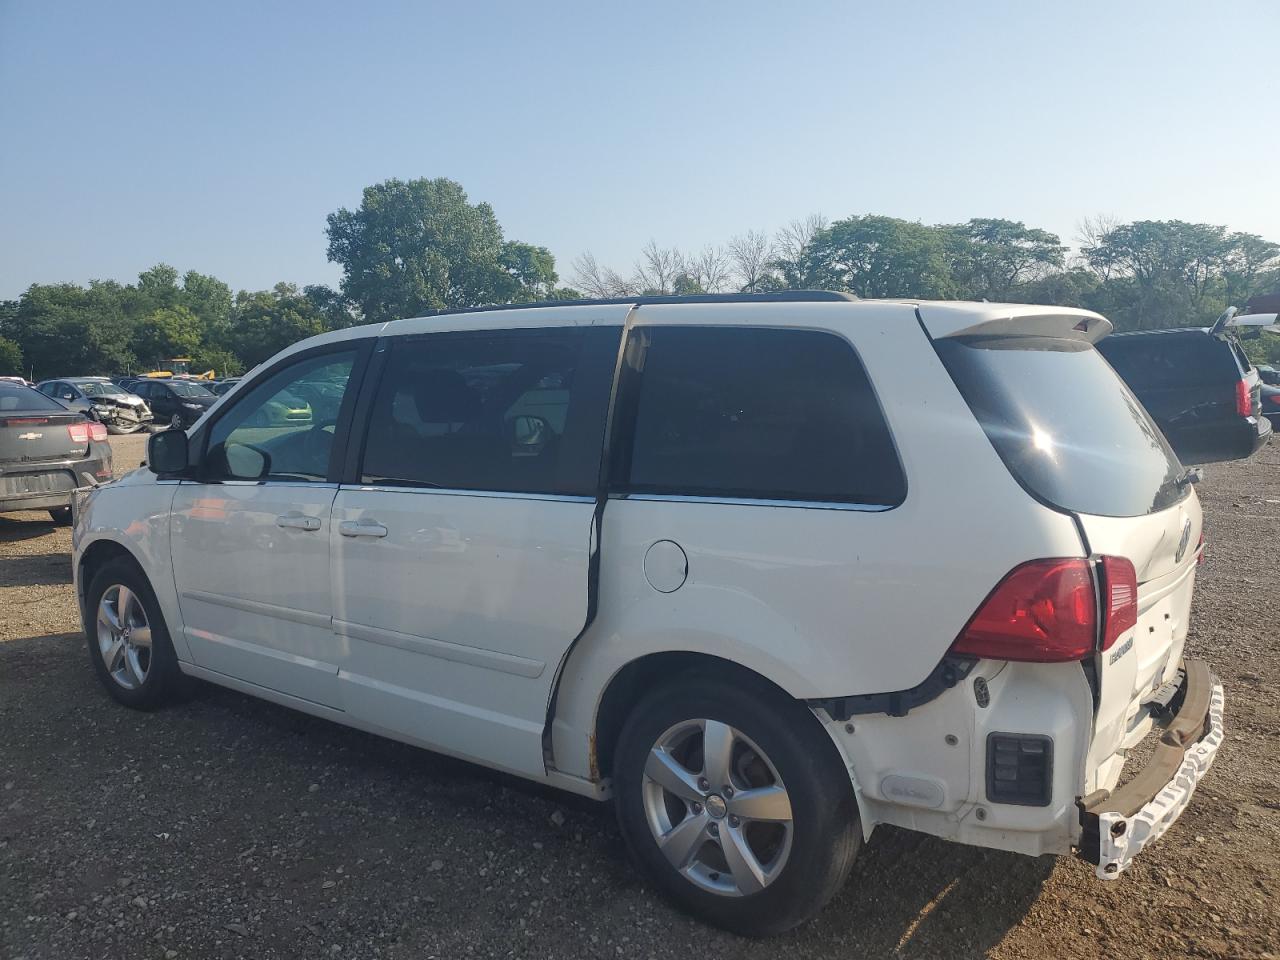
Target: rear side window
(519, 411)
(1065, 425)
(15, 396)
(749, 413)
(1161, 361)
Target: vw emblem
(1184, 542)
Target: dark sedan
(46, 452)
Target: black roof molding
(780, 296)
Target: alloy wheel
(717, 808)
(124, 636)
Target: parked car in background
(46, 452)
(223, 386)
(716, 558)
(113, 406)
(1270, 398)
(178, 403)
(1269, 374)
(1198, 385)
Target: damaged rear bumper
(1118, 824)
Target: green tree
(1170, 272)
(64, 329)
(875, 256)
(166, 333)
(991, 258)
(419, 245)
(266, 322)
(10, 359)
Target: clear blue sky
(217, 136)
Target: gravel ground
(228, 827)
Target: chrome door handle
(362, 528)
(296, 521)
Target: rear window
(14, 396)
(1170, 360)
(766, 414)
(1066, 426)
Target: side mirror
(245, 462)
(168, 452)
(528, 435)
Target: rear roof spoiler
(1012, 320)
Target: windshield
(96, 388)
(16, 396)
(184, 388)
(1065, 425)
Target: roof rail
(779, 296)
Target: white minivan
(765, 570)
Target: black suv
(1198, 386)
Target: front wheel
(129, 643)
(61, 516)
(735, 803)
(121, 430)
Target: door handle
(296, 521)
(362, 528)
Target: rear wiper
(1189, 476)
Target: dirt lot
(228, 827)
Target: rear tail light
(1244, 398)
(86, 431)
(1274, 399)
(1046, 611)
(1120, 599)
(1200, 549)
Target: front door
(250, 537)
(462, 556)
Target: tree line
(420, 245)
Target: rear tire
(754, 875)
(61, 516)
(120, 607)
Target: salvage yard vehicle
(179, 403)
(767, 570)
(47, 452)
(1198, 385)
(108, 403)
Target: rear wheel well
(638, 677)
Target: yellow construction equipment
(177, 367)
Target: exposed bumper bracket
(1118, 824)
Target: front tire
(129, 643)
(61, 516)
(735, 803)
(118, 431)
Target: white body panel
(251, 563)
(459, 625)
(456, 619)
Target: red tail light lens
(97, 431)
(1200, 549)
(79, 432)
(1244, 398)
(1120, 606)
(1044, 611)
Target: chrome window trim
(750, 502)
(452, 492)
